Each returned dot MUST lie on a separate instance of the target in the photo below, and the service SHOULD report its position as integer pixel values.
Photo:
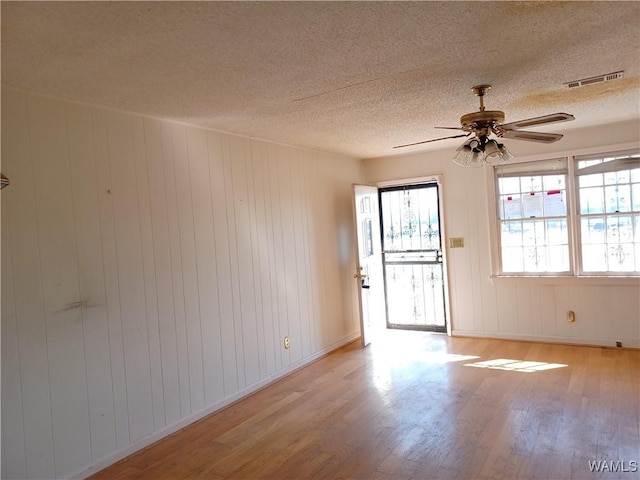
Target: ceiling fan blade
(532, 136)
(529, 122)
(450, 128)
(428, 141)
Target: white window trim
(577, 275)
(567, 217)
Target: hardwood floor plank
(419, 406)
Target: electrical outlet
(571, 316)
(287, 343)
(618, 344)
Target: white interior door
(369, 273)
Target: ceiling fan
(485, 122)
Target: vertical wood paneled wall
(605, 312)
(150, 271)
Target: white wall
(606, 311)
(150, 271)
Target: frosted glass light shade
(478, 151)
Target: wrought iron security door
(412, 257)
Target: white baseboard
(169, 429)
(596, 342)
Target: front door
(412, 257)
(369, 268)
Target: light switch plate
(456, 242)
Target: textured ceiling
(350, 77)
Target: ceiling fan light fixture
(496, 153)
(469, 154)
(463, 156)
(491, 149)
(475, 145)
(477, 160)
(506, 154)
(480, 150)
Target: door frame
(438, 179)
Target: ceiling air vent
(607, 77)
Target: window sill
(564, 280)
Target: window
(609, 212)
(533, 217)
(570, 216)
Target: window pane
(531, 184)
(533, 232)
(619, 229)
(509, 185)
(535, 259)
(511, 233)
(635, 175)
(594, 180)
(535, 246)
(510, 206)
(410, 233)
(512, 259)
(608, 243)
(554, 204)
(588, 163)
(532, 205)
(623, 176)
(391, 233)
(410, 219)
(635, 197)
(428, 218)
(557, 232)
(610, 178)
(593, 230)
(617, 198)
(621, 258)
(553, 182)
(594, 258)
(558, 257)
(591, 200)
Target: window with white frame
(609, 212)
(532, 210)
(542, 232)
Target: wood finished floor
(413, 407)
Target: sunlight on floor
(401, 346)
(437, 357)
(403, 352)
(397, 355)
(516, 365)
(394, 345)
